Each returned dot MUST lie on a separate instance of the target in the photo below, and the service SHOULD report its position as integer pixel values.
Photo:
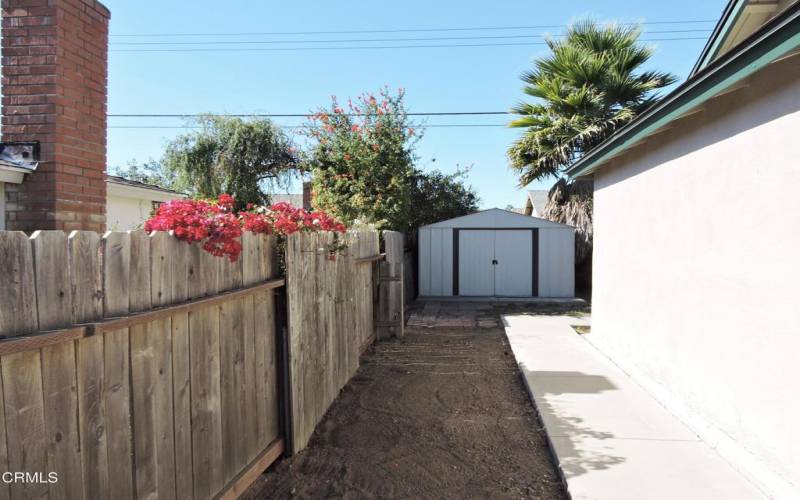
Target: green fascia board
(767, 45)
(733, 11)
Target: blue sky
(435, 79)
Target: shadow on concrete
(565, 430)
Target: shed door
(475, 268)
(513, 273)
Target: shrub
(219, 227)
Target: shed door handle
(494, 262)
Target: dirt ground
(442, 413)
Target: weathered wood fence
(140, 402)
(135, 365)
(330, 320)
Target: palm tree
(588, 87)
(585, 90)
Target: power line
(372, 47)
(361, 40)
(301, 115)
(441, 125)
(404, 30)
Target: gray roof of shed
(490, 218)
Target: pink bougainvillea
(219, 228)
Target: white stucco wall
(128, 207)
(697, 271)
(123, 214)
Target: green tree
(362, 160)
(244, 158)
(149, 172)
(588, 87)
(438, 196)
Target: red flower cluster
(220, 228)
(284, 219)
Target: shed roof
(496, 218)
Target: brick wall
(55, 67)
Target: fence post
(390, 288)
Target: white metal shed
(496, 253)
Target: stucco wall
(125, 213)
(697, 269)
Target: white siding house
(496, 253)
(692, 294)
(130, 203)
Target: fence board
(196, 286)
(251, 444)
(151, 376)
(327, 325)
(184, 481)
(53, 290)
(161, 269)
(92, 416)
(59, 386)
(266, 367)
(231, 362)
(119, 434)
(206, 419)
(179, 250)
(60, 405)
(139, 274)
(25, 428)
(86, 275)
(17, 289)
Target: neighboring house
(130, 203)
(693, 295)
(53, 153)
(300, 200)
(535, 202)
(16, 160)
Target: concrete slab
(638, 469)
(611, 438)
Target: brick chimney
(55, 70)
(308, 195)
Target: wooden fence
(330, 320)
(121, 393)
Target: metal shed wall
(556, 252)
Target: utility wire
(303, 115)
(360, 40)
(442, 125)
(414, 30)
(371, 47)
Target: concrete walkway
(612, 440)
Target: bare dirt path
(441, 413)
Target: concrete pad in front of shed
(611, 438)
